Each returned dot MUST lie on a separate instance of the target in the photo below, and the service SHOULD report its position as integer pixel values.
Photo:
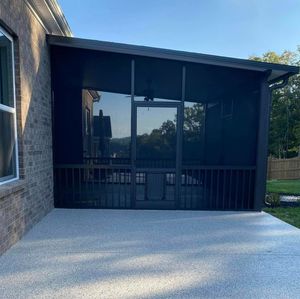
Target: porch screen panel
(193, 133)
(111, 125)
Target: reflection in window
(193, 133)
(109, 119)
(8, 142)
(156, 136)
(7, 145)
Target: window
(8, 131)
(87, 121)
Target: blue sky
(236, 28)
(118, 107)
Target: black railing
(92, 186)
(106, 161)
(142, 163)
(109, 186)
(217, 188)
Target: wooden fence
(284, 169)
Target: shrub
(272, 200)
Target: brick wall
(23, 203)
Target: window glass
(156, 137)
(6, 74)
(7, 145)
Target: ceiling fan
(149, 92)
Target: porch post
(262, 144)
(133, 138)
(180, 140)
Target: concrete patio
(154, 254)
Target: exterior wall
(24, 202)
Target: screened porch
(145, 128)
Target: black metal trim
(251, 65)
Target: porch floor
(154, 254)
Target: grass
(290, 215)
(291, 187)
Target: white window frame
(12, 110)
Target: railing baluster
(119, 187)
(193, 189)
(73, 185)
(217, 196)
(79, 178)
(86, 185)
(126, 178)
(249, 188)
(65, 178)
(60, 190)
(188, 186)
(236, 188)
(93, 186)
(205, 187)
(112, 187)
(184, 190)
(243, 190)
(230, 189)
(100, 188)
(105, 186)
(224, 186)
(211, 188)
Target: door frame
(178, 162)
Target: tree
(161, 142)
(193, 131)
(284, 134)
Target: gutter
(50, 16)
(96, 95)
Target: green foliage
(291, 187)
(284, 135)
(193, 131)
(161, 143)
(273, 200)
(120, 147)
(290, 215)
(193, 118)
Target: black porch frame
(178, 163)
(218, 187)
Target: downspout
(282, 84)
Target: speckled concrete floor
(154, 254)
